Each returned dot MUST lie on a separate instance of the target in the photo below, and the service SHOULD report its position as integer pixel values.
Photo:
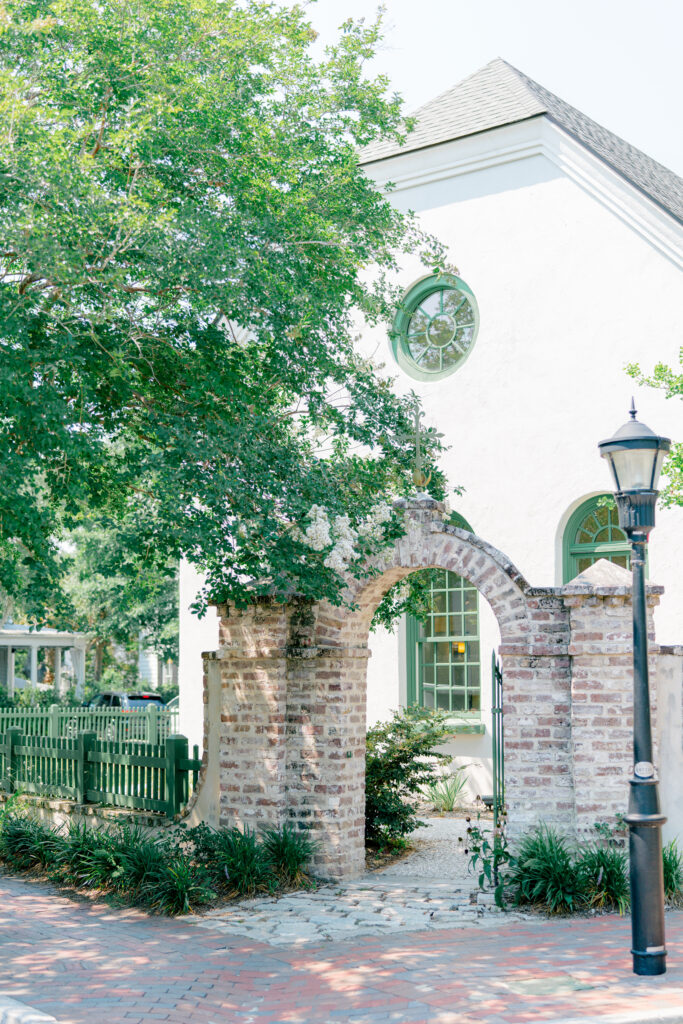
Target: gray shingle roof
(499, 94)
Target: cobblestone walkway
(373, 907)
(429, 889)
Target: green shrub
(289, 852)
(82, 846)
(140, 856)
(27, 843)
(235, 861)
(175, 885)
(673, 872)
(542, 872)
(603, 877)
(400, 761)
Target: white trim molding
(538, 136)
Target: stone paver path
(89, 964)
(429, 889)
(377, 906)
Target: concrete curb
(673, 1016)
(14, 1012)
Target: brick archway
(285, 697)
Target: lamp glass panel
(658, 469)
(610, 463)
(633, 468)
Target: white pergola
(15, 637)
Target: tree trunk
(99, 658)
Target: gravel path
(439, 853)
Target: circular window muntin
(442, 329)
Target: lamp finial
(633, 410)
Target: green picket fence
(147, 725)
(141, 776)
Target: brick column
(539, 780)
(326, 754)
(252, 661)
(601, 652)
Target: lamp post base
(645, 821)
(649, 963)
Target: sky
(618, 61)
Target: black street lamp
(635, 455)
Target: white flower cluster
(344, 550)
(317, 535)
(340, 536)
(372, 527)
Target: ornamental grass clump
(85, 858)
(542, 873)
(290, 853)
(135, 867)
(27, 843)
(166, 872)
(447, 793)
(141, 857)
(602, 872)
(236, 862)
(673, 872)
(175, 885)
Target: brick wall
(293, 691)
(601, 654)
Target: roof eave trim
(455, 138)
(616, 170)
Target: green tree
(189, 246)
(120, 593)
(671, 382)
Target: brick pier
(285, 696)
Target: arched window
(443, 653)
(593, 532)
(435, 327)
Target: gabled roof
(499, 94)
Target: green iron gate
(497, 730)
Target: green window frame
(443, 655)
(593, 532)
(435, 328)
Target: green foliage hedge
(173, 873)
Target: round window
(435, 328)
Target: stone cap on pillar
(605, 578)
(421, 508)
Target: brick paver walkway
(85, 962)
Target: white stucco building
(569, 244)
